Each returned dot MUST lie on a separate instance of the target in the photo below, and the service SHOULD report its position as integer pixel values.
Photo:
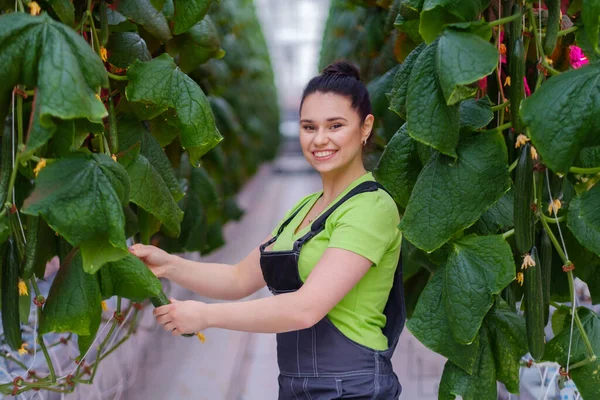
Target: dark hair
(343, 78)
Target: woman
(339, 305)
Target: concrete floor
(242, 366)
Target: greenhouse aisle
(242, 366)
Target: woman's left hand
(182, 316)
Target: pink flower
(483, 83)
(578, 59)
(527, 90)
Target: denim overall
(320, 362)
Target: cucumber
(515, 30)
(5, 162)
(33, 224)
(517, 87)
(523, 214)
(534, 308)
(552, 27)
(11, 323)
(163, 300)
(546, 267)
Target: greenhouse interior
(300, 199)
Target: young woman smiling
(332, 264)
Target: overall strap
(319, 224)
(287, 221)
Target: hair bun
(343, 67)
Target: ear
(367, 126)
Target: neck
(335, 182)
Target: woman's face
(331, 132)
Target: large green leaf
(82, 198)
(161, 83)
(399, 166)
(450, 196)
(431, 326)
(40, 52)
(399, 90)
(584, 218)
(475, 114)
(481, 385)
(187, 13)
(143, 13)
(198, 45)
(73, 303)
(463, 58)
(563, 114)
(430, 120)
(437, 13)
(478, 267)
(587, 378)
(65, 11)
(508, 339)
(129, 278)
(126, 47)
(591, 22)
(153, 183)
(497, 217)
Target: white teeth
(324, 153)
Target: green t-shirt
(365, 224)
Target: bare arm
(214, 280)
(336, 273)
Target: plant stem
(20, 6)
(94, 32)
(559, 249)
(552, 220)
(513, 165)
(589, 171)
(498, 128)
(117, 77)
(508, 234)
(586, 340)
(46, 354)
(504, 20)
(34, 284)
(101, 347)
(19, 121)
(500, 106)
(567, 31)
(118, 304)
(534, 29)
(11, 182)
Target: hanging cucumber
(552, 27)
(5, 162)
(546, 267)
(517, 86)
(33, 224)
(163, 300)
(523, 214)
(534, 308)
(515, 30)
(11, 323)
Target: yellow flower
(34, 8)
(521, 140)
(22, 288)
(40, 165)
(201, 337)
(554, 206)
(507, 81)
(114, 157)
(520, 278)
(103, 54)
(502, 48)
(534, 153)
(527, 262)
(98, 96)
(104, 306)
(549, 60)
(23, 350)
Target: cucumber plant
(485, 108)
(123, 121)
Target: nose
(321, 137)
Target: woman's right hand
(158, 261)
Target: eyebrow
(328, 119)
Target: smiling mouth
(324, 155)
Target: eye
(308, 127)
(336, 126)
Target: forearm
(274, 314)
(217, 281)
